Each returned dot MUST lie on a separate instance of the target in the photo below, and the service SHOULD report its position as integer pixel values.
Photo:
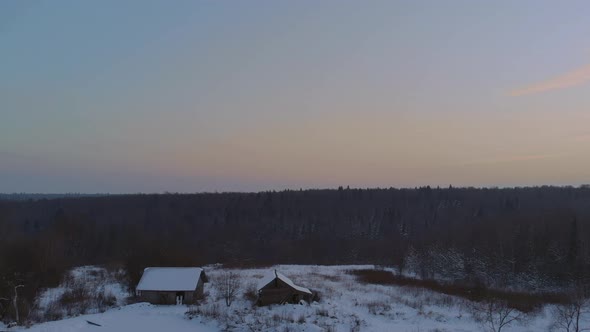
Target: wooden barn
(171, 285)
(277, 288)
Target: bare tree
(567, 317)
(15, 302)
(496, 314)
(1, 306)
(229, 285)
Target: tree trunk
(15, 302)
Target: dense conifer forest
(534, 239)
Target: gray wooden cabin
(278, 289)
(171, 285)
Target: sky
(190, 96)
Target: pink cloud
(573, 78)
(511, 159)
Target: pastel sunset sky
(190, 96)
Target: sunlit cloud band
(573, 78)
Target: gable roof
(272, 275)
(169, 279)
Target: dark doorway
(179, 298)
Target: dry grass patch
(525, 302)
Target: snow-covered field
(135, 317)
(345, 305)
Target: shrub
(53, 312)
(317, 296)
(282, 317)
(105, 300)
(251, 292)
(77, 294)
(211, 311)
(301, 319)
(322, 312)
(355, 324)
(496, 314)
(378, 307)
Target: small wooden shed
(171, 285)
(277, 288)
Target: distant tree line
(29, 196)
(534, 238)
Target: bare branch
(229, 284)
(496, 314)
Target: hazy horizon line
(450, 186)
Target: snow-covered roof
(271, 275)
(169, 279)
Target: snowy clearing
(345, 305)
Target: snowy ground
(134, 317)
(345, 305)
